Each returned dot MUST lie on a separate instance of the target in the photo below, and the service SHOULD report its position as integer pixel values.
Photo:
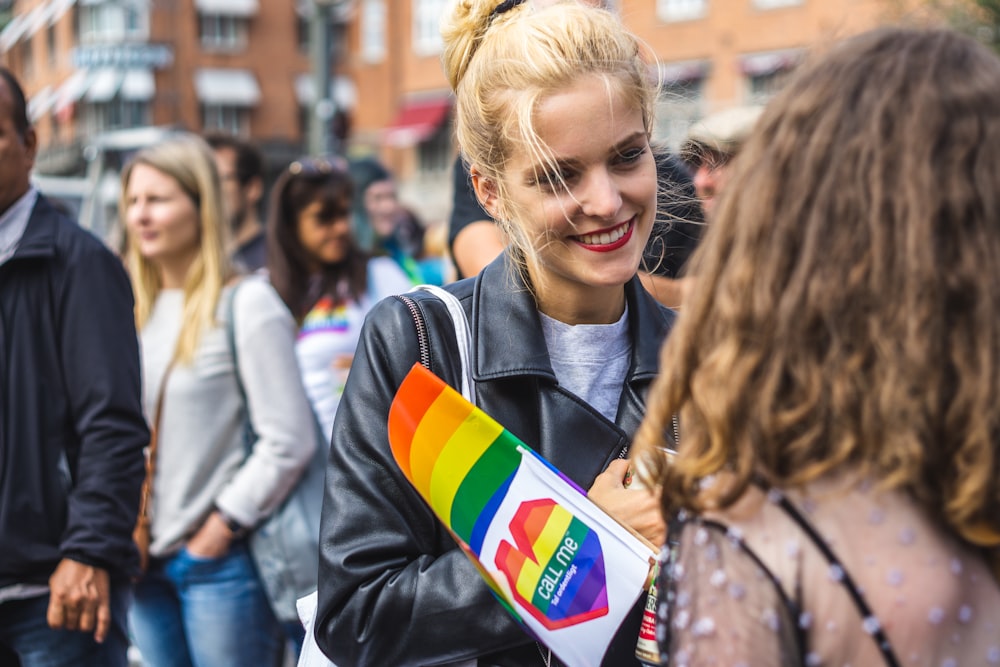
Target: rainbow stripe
(459, 459)
(325, 316)
(463, 464)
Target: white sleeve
(279, 409)
(385, 278)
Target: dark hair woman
(325, 279)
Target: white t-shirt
(329, 336)
(590, 360)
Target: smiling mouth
(607, 239)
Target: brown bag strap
(147, 484)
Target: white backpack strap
(462, 334)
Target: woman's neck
(174, 271)
(579, 304)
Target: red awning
(416, 121)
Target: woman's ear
(486, 191)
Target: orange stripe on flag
(431, 436)
(419, 390)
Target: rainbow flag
(561, 565)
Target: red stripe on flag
(420, 388)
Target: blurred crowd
(787, 333)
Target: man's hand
(637, 508)
(80, 599)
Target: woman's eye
(559, 181)
(631, 155)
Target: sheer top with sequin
(751, 586)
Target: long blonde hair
(189, 161)
(847, 310)
(503, 64)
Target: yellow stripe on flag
(552, 533)
(441, 420)
(548, 541)
(473, 437)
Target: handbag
(285, 546)
(141, 534)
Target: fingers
(103, 622)
(75, 609)
(617, 469)
(612, 478)
(54, 616)
(79, 599)
(636, 509)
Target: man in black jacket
(71, 424)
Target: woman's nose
(601, 196)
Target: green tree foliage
(978, 18)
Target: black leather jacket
(394, 589)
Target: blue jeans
(197, 612)
(27, 640)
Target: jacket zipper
(418, 321)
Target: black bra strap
(873, 626)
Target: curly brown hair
(847, 309)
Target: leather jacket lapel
(506, 326)
(511, 367)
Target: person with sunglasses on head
(554, 113)
(328, 283)
(234, 428)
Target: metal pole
(324, 107)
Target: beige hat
(723, 131)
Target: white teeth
(604, 238)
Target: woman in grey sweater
(201, 600)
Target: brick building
(712, 54)
(91, 66)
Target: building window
(427, 26)
(116, 114)
(762, 87)
(110, 22)
(304, 34)
(50, 44)
(680, 10)
(222, 33)
(137, 22)
(774, 4)
(681, 101)
(766, 73)
(373, 29)
(225, 118)
(305, 127)
(435, 154)
(680, 104)
(27, 59)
